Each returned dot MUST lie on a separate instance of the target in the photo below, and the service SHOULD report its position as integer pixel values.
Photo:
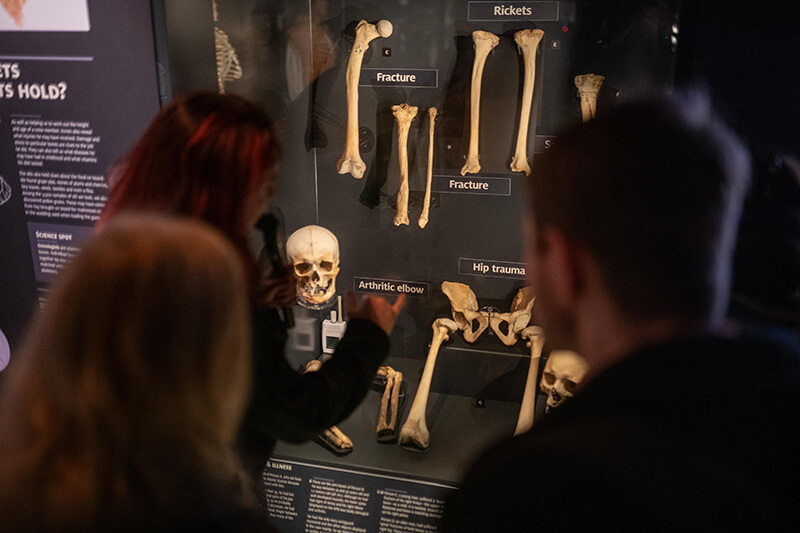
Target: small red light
(564, 29)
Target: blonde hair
(138, 365)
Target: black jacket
(695, 434)
(294, 407)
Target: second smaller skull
(563, 372)
(314, 253)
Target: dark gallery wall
(748, 54)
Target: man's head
(649, 194)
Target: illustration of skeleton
(5, 191)
(228, 67)
(14, 8)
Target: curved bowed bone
(414, 433)
(464, 306)
(535, 337)
(423, 218)
(528, 42)
(588, 87)
(517, 318)
(351, 161)
(484, 43)
(404, 114)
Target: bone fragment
(351, 161)
(423, 218)
(528, 42)
(464, 307)
(517, 318)
(484, 43)
(404, 114)
(588, 87)
(390, 401)
(414, 433)
(389, 374)
(535, 337)
(333, 434)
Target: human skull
(563, 371)
(314, 252)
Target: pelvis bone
(516, 320)
(465, 310)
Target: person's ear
(565, 264)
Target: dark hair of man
(653, 191)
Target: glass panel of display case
(416, 199)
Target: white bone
(588, 87)
(563, 372)
(414, 433)
(484, 43)
(387, 419)
(333, 434)
(464, 307)
(314, 253)
(351, 161)
(517, 318)
(426, 205)
(535, 337)
(528, 42)
(404, 114)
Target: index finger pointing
(399, 303)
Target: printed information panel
(391, 286)
(315, 498)
(495, 269)
(463, 185)
(504, 11)
(67, 113)
(427, 78)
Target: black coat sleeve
(294, 407)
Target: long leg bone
(588, 86)
(464, 307)
(484, 42)
(414, 433)
(365, 32)
(535, 337)
(423, 218)
(528, 42)
(517, 319)
(404, 114)
(390, 402)
(333, 435)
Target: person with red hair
(212, 157)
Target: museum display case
(409, 130)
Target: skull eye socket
(302, 268)
(326, 266)
(549, 378)
(569, 386)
